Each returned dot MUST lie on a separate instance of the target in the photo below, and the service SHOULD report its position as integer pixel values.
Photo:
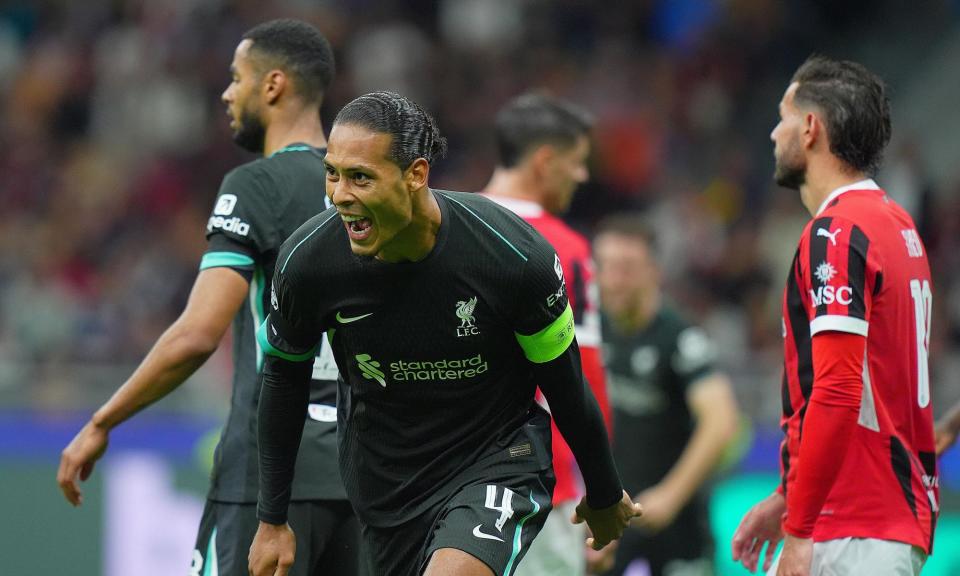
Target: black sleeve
(580, 421)
(292, 330)
(288, 337)
(243, 212)
(692, 357)
(225, 252)
(284, 395)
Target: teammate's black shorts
(327, 539)
(494, 521)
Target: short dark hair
(298, 49)
(855, 107)
(631, 225)
(535, 118)
(415, 134)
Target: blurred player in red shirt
(859, 479)
(543, 145)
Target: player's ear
(541, 158)
(415, 176)
(274, 83)
(813, 130)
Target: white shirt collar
(866, 184)
(522, 208)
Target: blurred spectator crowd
(115, 140)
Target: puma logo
(832, 236)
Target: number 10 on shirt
(922, 307)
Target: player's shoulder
(672, 320)
(294, 157)
(691, 342)
(834, 224)
(477, 204)
(868, 207)
(566, 240)
(494, 222)
(273, 168)
(245, 179)
(306, 239)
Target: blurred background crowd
(114, 142)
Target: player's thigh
(447, 561)
(559, 548)
(494, 522)
(855, 556)
(396, 550)
(223, 540)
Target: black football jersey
(259, 205)
(435, 356)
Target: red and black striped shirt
(861, 268)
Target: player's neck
(514, 183)
(823, 180)
(300, 126)
(640, 316)
(416, 241)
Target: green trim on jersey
(269, 350)
(305, 238)
(517, 541)
(224, 259)
(484, 222)
(211, 565)
(255, 296)
(291, 149)
(550, 342)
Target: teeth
(349, 218)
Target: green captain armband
(550, 342)
(269, 350)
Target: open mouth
(358, 227)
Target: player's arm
(947, 429)
(217, 295)
(579, 419)
(284, 396)
(828, 427)
(544, 327)
(607, 508)
(712, 404)
(289, 338)
(587, 319)
(839, 338)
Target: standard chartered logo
(427, 370)
(370, 369)
(422, 370)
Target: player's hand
(78, 459)
(608, 523)
(796, 557)
(600, 561)
(272, 551)
(660, 508)
(761, 525)
(946, 437)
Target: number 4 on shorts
(505, 508)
